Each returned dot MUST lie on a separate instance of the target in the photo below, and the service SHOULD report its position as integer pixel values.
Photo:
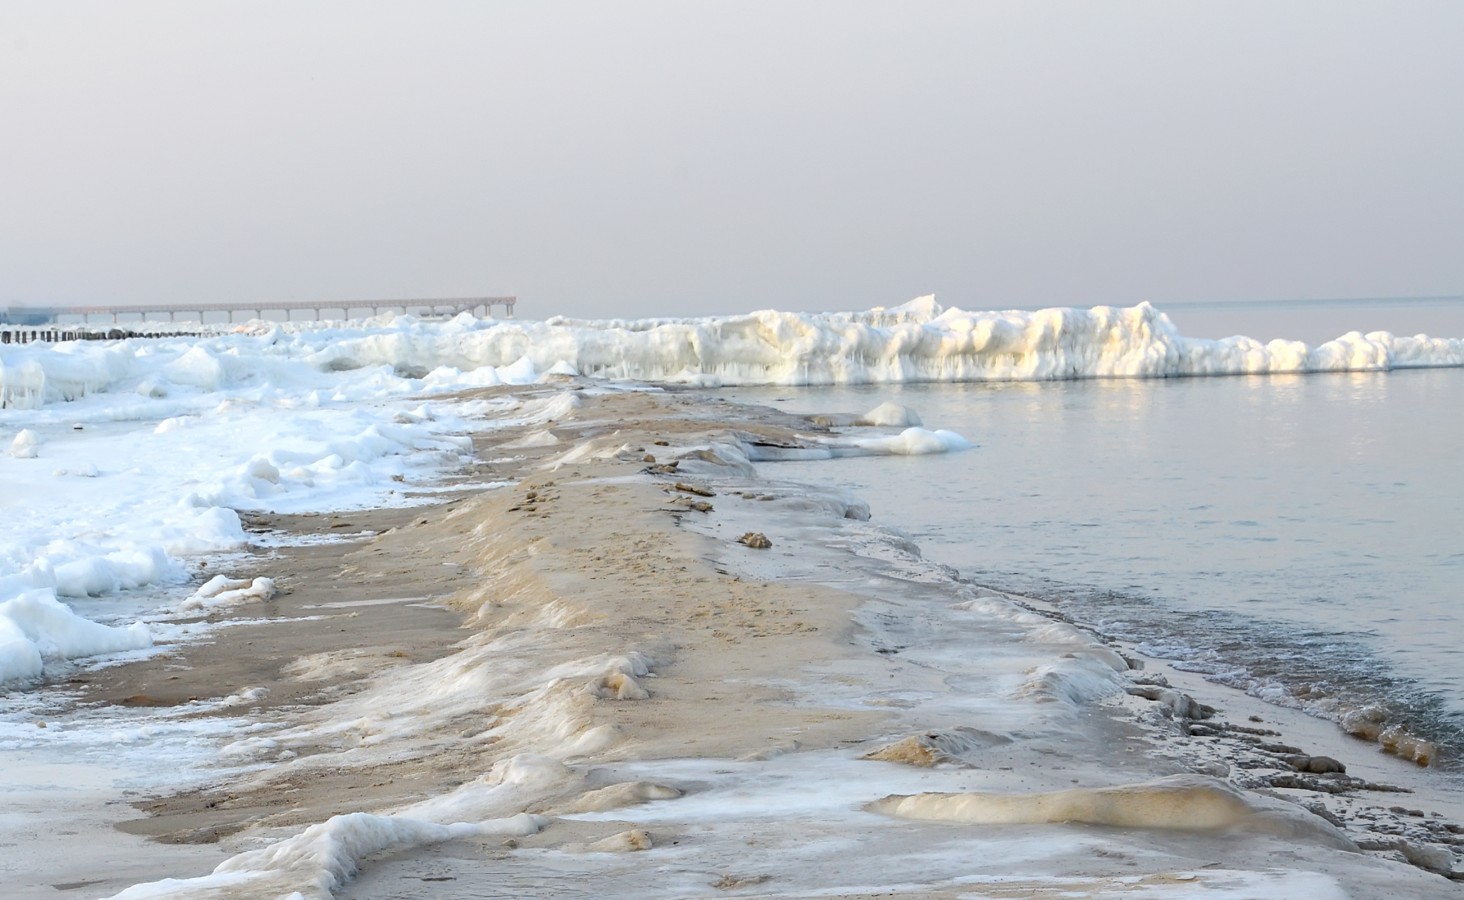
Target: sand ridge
(539, 648)
(486, 569)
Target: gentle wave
(1330, 674)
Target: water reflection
(1247, 511)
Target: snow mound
(25, 445)
(221, 591)
(35, 627)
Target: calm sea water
(1300, 537)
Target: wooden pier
(49, 319)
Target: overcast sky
(632, 159)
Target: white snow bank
(33, 374)
(35, 627)
(81, 570)
(165, 439)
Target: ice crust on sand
(1178, 802)
(790, 663)
(654, 685)
(323, 857)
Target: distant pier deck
(23, 325)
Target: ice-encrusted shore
(644, 703)
(919, 341)
(126, 457)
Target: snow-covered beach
(536, 644)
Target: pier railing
(53, 318)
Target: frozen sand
(684, 715)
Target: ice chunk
(35, 626)
(890, 415)
(25, 445)
(910, 442)
(221, 591)
(1180, 802)
(196, 368)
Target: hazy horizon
(663, 159)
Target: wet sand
(596, 646)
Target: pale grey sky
(632, 158)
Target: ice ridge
(920, 341)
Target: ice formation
(222, 591)
(918, 341)
(273, 459)
(35, 626)
(299, 415)
(317, 861)
(1178, 802)
(24, 446)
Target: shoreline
(1367, 759)
(591, 648)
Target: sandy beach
(728, 450)
(640, 667)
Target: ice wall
(917, 342)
